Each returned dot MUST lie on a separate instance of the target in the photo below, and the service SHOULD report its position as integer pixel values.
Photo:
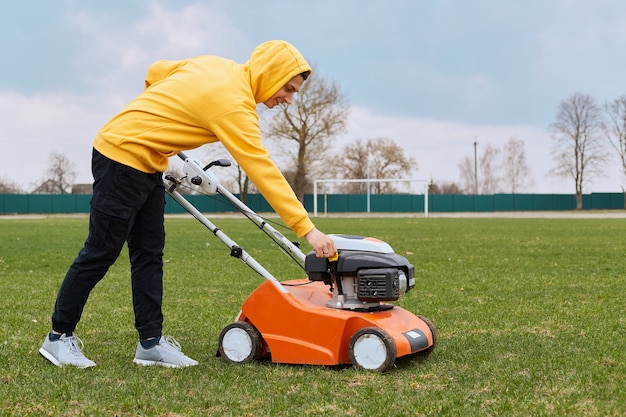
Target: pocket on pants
(107, 232)
(122, 191)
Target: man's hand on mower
(323, 246)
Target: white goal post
(368, 181)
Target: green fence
(337, 203)
(464, 203)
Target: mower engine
(366, 272)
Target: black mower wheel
(433, 331)
(240, 342)
(372, 349)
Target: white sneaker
(67, 350)
(166, 353)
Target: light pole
(368, 183)
(475, 168)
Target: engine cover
(376, 266)
(362, 278)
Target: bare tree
(489, 180)
(466, 174)
(378, 158)
(578, 151)
(61, 173)
(353, 160)
(9, 187)
(516, 172)
(317, 114)
(615, 129)
(244, 184)
(444, 188)
(488, 170)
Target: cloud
(34, 126)
(578, 45)
(116, 54)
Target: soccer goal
(368, 182)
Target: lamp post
(475, 168)
(368, 183)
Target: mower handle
(219, 162)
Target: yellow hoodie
(195, 101)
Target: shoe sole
(54, 360)
(144, 362)
(50, 357)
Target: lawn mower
(338, 315)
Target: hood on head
(271, 65)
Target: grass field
(530, 314)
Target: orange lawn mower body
(339, 315)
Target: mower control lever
(219, 163)
(341, 297)
(197, 180)
(173, 180)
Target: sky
(434, 76)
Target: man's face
(285, 94)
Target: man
(185, 104)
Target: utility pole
(475, 168)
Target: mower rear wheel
(372, 349)
(240, 342)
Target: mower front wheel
(372, 349)
(240, 342)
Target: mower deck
(297, 327)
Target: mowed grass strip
(530, 313)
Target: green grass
(530, 313)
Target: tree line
(302, 136)
(59, 178)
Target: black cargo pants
(127, 206)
